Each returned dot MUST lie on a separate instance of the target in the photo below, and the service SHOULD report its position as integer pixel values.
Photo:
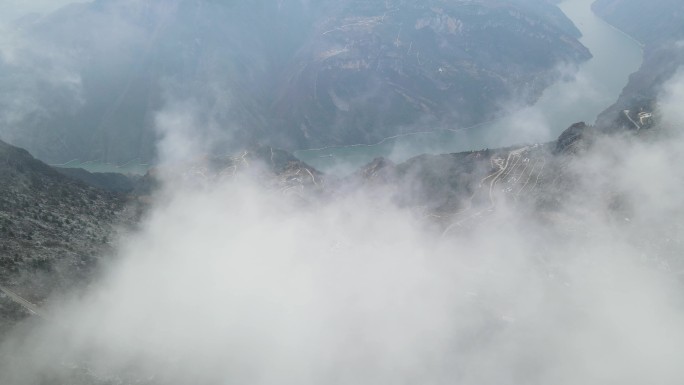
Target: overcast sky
(13, 9)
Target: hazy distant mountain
(101, 71)
(372, 70)
(659, 25)
(89, 80)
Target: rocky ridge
(53, 229)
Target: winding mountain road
(514, 174)
(33, 309)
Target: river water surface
(593, 88)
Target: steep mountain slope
(371, 70)
(57, 226)
(95, 80)
(659, 25)
(100, 91)
(53, 229)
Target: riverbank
(134, 167)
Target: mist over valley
(546, 251)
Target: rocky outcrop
(53, 229)
(570, 140)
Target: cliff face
(370, 71)
(90, 80)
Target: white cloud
(234, 283)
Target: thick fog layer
(228, 282)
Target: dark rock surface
(53, 229)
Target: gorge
(593, 88)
